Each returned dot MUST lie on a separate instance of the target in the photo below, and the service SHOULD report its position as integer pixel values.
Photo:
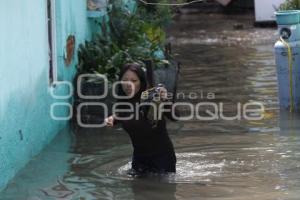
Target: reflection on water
(217, 159)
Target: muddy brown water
(217, 159)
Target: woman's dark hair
(137, 68)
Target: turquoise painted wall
(25, 123)
(26, 126)
(45, 171)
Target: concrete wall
(25, 123)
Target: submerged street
(219, 159)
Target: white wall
(264, 9)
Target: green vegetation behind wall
(127, 36)
(290, 5)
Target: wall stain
(21, 134)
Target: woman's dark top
(153, 149)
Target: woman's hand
(163, 93)
(109, 121)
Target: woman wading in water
(153, 150)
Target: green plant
(125, 38)
(290, 5)
(159, 15)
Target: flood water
(217, 159)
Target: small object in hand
(152, 95)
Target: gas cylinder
(287, 56)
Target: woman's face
(130, 77)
